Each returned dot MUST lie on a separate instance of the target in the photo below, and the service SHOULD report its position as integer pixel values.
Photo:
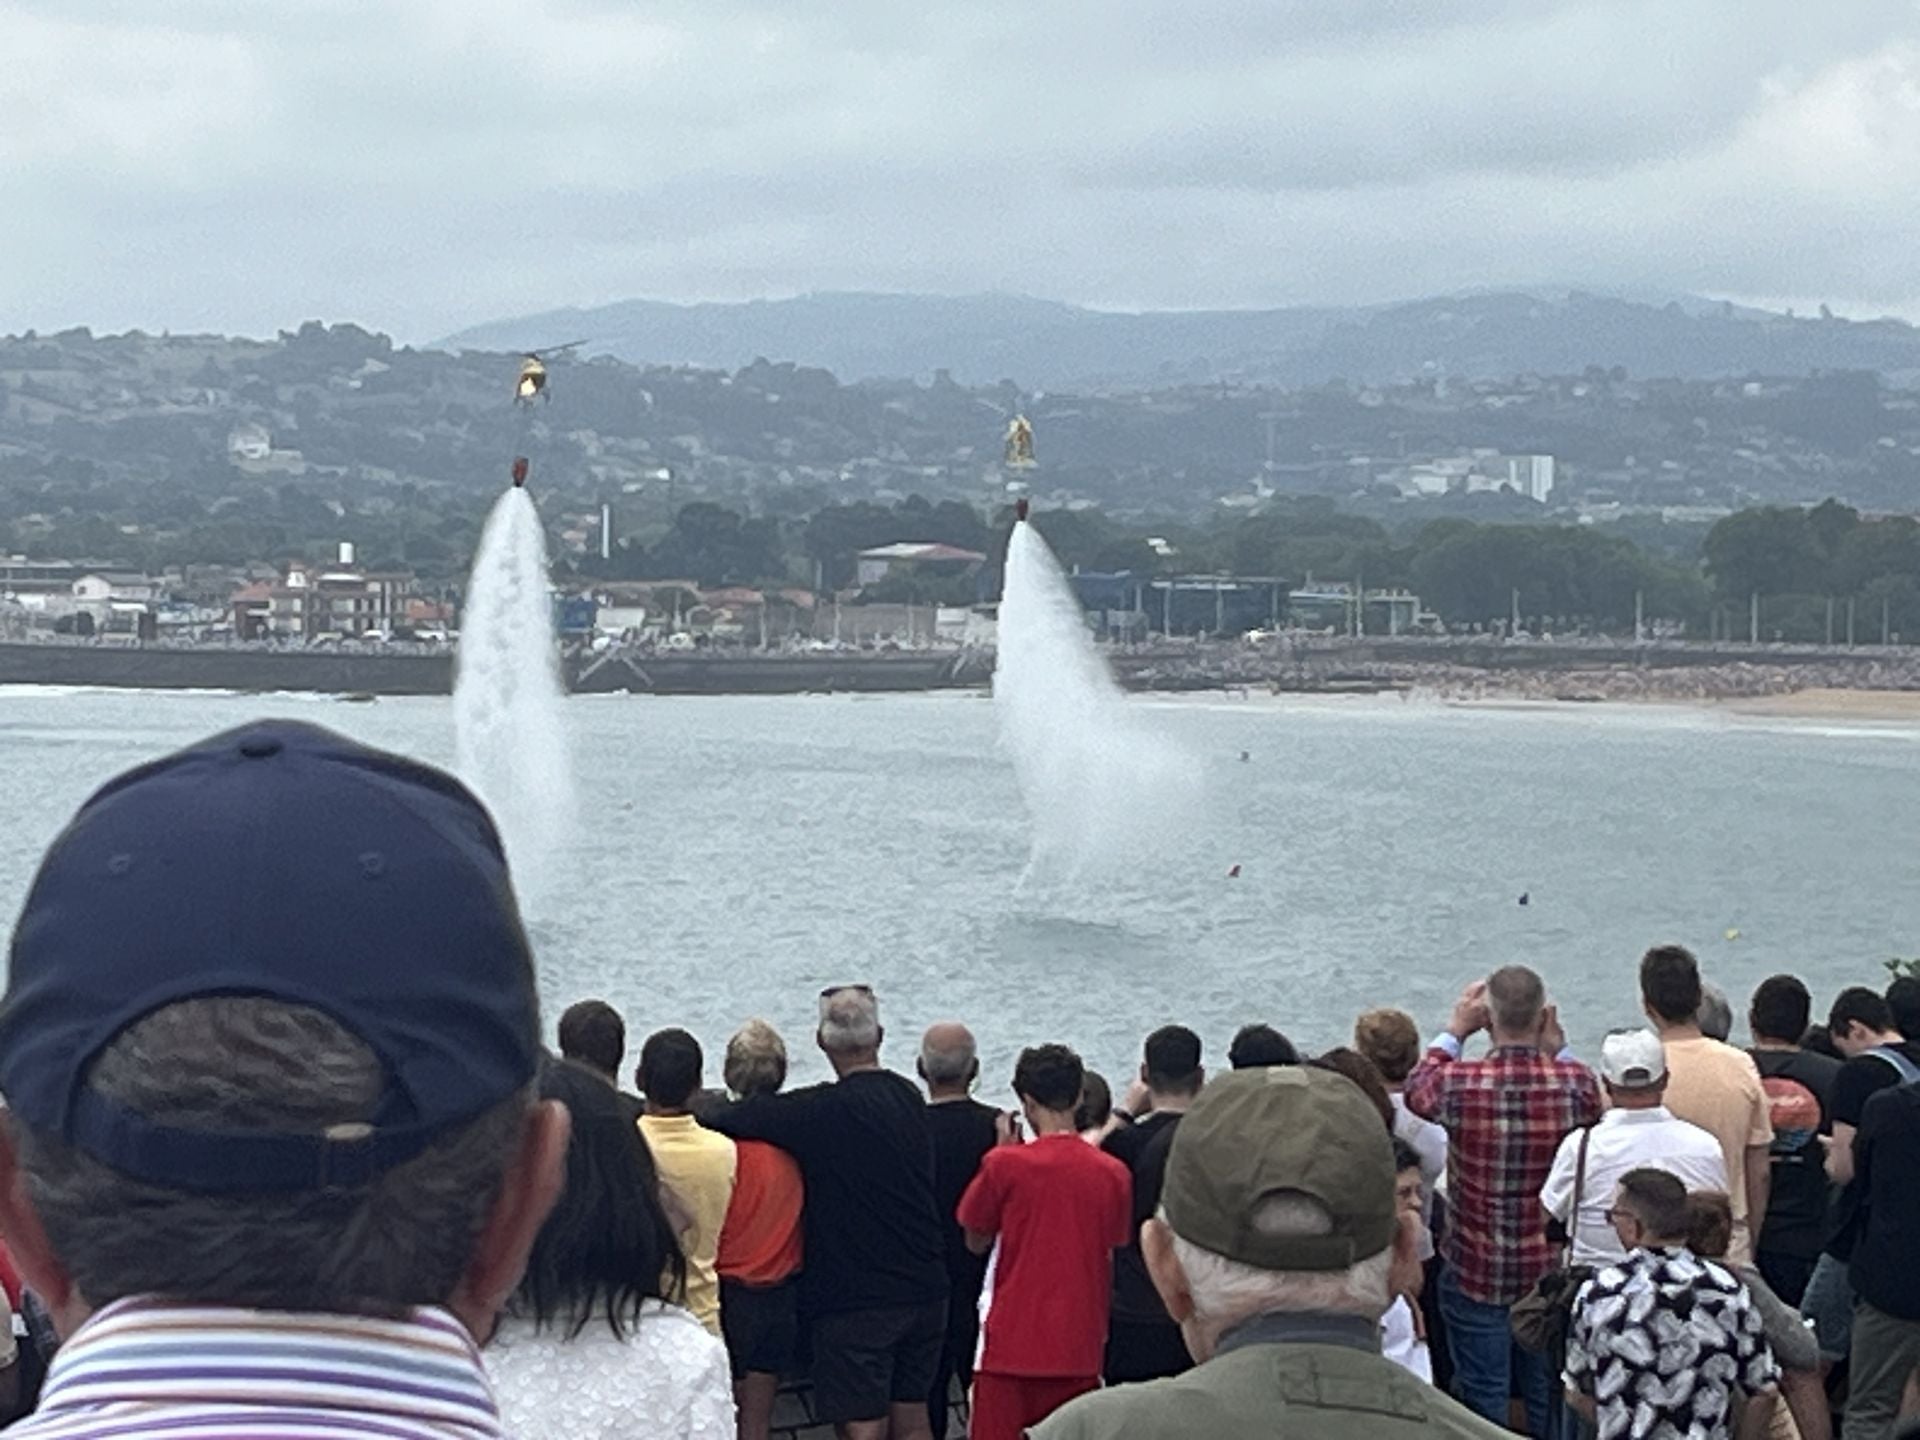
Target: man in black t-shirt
(1878, 1058)
(964, 1130)
(1799, 1086)
(1886, 1260)
(875, 1282)
(1903, 1004)
(1143, 1342)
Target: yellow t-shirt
(1717, 1088)
(698, 1165)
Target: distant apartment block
(1482, 470)
(1531, 475)
(310, 601)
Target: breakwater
(409, 671)
(1566, 670)
(169, 667)
(1525, 670)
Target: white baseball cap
(1633, 1059)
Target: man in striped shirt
(267, 1048)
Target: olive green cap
(1276, 1130)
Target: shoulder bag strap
(1903, 1067)
(1579, 1188)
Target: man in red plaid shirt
(1505, 1115)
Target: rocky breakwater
(1476, 670)
(423, 670)
(373, 671)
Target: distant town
(326, 488)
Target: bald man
(963, 1131)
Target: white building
(1482, 471)
(1440, 477)
(885, 561)
(115, 599)
(99, 586)
(249, 442)
(1531, 475)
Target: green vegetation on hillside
(150, 452)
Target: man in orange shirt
(1714, 1086)
(760, 1244)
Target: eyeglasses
(833, 990)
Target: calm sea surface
(734, 855)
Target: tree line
(1803, 566)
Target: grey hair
(1715, 1015)
(948, 1065)
(1515, 998)
(756, 1060)
(250, 1063)
(1226, 1291)
(849, 1021)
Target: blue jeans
(1486, 1361)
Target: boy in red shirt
(1053, 1212)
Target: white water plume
(510, 734)
(1101, 789)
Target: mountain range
(1045, 344)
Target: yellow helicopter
(1020, 443)
(532, 384)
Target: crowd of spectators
(285, 1155)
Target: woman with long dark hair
(595, 1344)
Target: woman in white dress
(591, 1347)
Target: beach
(1828, 704)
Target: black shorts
(762, 1326)
(1786, 1275)
(866, 1361)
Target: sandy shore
(1828, 705)
(1863, 706)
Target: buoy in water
(1233, 872)
(1526, 897)
(1733, 934)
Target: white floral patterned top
(668, 1380)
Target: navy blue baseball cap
(278, 860)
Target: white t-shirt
(1401, 1343)
(1626, 1140)
(668, 1380)
(1429, 1142)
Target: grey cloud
(420, 166)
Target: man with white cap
(1273, 1250)
(1637, 1132)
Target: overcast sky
(419, 165)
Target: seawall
(431, 672)
(1542, 670)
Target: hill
(172, 449)
(984, 339)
